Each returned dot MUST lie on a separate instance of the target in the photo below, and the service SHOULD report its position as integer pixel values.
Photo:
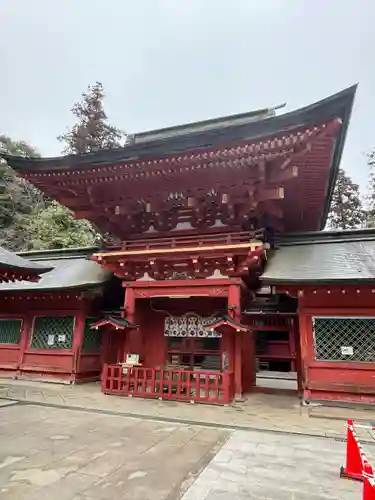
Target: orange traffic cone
(368, 482)
(354, 468)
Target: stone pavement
(258, 466)
(279, 413)
(56, 454)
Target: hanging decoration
(189, 325)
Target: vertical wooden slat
(182, 385)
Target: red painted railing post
(104, 377)
(225, 382)
(168, 383)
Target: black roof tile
(325, 257)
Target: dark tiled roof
(221, 132)
(70, 269)
(14, 262)
(325, 257)
(204, 126)
(226, 130)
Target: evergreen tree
(346, 211)
(18, 198)
(28, 219)
(55, 227)
(92, 132)
(370, 212)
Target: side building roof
(67, 269)
(322, 258)
(10, 261)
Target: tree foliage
(346, 211)
(92, 131)
(370, 212)
(18, 198)
(55, 227)
(28, 219)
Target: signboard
(346, 351)
(132, 359)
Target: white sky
(168, 62)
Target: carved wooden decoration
(201, 259)
(197, 189)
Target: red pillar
(78, 337)
(26, 332)
(292, 346)
(234, 306)
(129, 304)
(133, 338)
(104, 349)
(302, 375)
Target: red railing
(192, 241)
(166, 383)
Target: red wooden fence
(182, 385)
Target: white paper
(61, 338)
(132, 359)
(51, 340)
(346, 350)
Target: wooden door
(113, 346)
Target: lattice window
(92, 339)
(189, 326)
(53, 332)
(344, 339)
(10, 331)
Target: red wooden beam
(279, 176)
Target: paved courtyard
(64, 454)
(54, 454)
(265, 466)
(279, 413)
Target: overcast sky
(168, 62)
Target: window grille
(53, 332)
(189, 326)
(344, 339)
(195, 353)
(10, 331)
(92, 338)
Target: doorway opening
(276, 359)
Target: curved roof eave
(66, 274)
(14, 262)
(337, 105)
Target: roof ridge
(195, 126)
(283, 122)
(58, 253)
(325, 237)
